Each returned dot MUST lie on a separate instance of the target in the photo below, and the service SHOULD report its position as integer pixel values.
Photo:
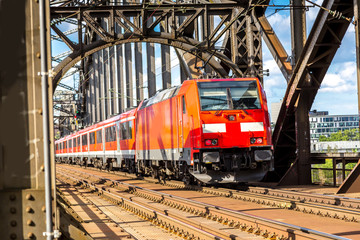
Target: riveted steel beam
(320, 40)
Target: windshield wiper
(229, 99)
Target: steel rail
(223, 215)
(156, 217)
(310, 197)
(319, 206)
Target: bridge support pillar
(22, 181)
(300, 171)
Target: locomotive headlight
(258, 140)
(214, 142)
(231, 117)
(211, 142)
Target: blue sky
(338, 92)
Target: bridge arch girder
(184, 43)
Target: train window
(78, 141)
(92, 138)
(99, 136)
(126, 130)
(70, 143)
(228, 95)
(74, 142)
(110, 134)
(84, 139)
(183, 104)
(65, 145)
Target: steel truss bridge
(221, 38)
(106, 43)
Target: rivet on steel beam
(42, 168)
(12, 197)
(13, 223)
(29, 196)
(43, 209)
(29, 210)
(30, 222)
(12, 210)
(38, 55)
(13, 236)
(31, 235)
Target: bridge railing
(332, 168)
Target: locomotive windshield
(229, 95)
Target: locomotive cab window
(226, 95)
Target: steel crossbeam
(179, 32)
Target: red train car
(217, 130)
(213, 130)
(109, 143)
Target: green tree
(346, 135)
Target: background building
(321, 123)
(275, 109)
(336, 146)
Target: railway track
(218, 222)
(337, 207)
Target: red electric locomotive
(217, 130)
(212, 130)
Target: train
(208, 131)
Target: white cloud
(342, 81)
(313, 12)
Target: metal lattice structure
(216, 39)
(230, 45)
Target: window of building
(349, 124)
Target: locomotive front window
(226, 95)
